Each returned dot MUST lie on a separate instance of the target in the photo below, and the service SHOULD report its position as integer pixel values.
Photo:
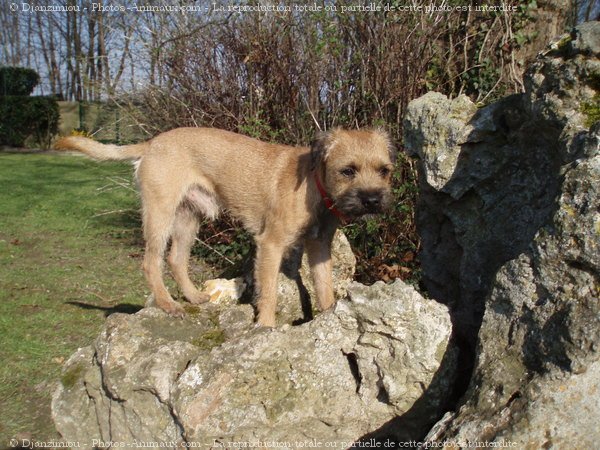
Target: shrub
(28, 117)
(274, 76)
(17, 81)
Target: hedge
(17, 81)
(24, 117)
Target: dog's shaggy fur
(272, 189)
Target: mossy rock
(591, 110)
(71, 376)
(210, 339)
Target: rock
(492, 201)
(149, 377)
(585, 40)
(537, 367)
(489, 177)
(225, 291)
(511, 241)
(437, 131)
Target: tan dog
(283, 195)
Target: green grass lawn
(70, 254)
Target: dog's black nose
(371, 201)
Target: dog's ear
(319, 149)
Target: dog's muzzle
(360, 203)
(371, 202)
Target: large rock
(510, 221)
(381, 353)
(489, 177)
(488, 182)
(537, 371)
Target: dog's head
(355, 168)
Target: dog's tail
(101, 151)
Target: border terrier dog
(282, 195)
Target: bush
(28, 117)
(273, 76)
(25, 117)
(17, 81)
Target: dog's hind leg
(158, 218)
(185, 229)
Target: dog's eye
(348, 172)
(384, 172)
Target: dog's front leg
(268, 262)
(318, 251)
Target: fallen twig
(216, 251)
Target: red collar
(329, 204)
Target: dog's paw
(174, 309)
(198, 297)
